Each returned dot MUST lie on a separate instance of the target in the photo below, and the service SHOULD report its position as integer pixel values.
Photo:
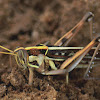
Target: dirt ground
(31, 22)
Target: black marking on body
(58, 54)
(73, 31)
(43, 51)
(64, 40)
(98, 39)
(88, 18)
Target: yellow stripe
(36, 47)
(19, 49)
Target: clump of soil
(31, 22)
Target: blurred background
(30, 22)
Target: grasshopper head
(21, 57)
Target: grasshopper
(43, 57)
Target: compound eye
(22, 58)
